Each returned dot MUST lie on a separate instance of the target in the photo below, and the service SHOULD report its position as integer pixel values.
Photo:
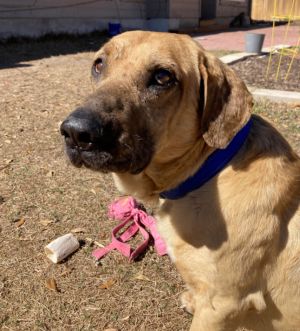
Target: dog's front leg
(215, 315)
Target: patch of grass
(285, 117)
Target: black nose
(82, 129)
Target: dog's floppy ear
(225, 101)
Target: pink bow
(130, 213)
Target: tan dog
(161, 106)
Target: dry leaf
(51, 284)
(66, 271)
(125, 318)
(6, 164)
(98, 244)
(8, 161)
(78, 230)
(111, 330)
(46, 222)
(93, 191)
(20, 222)
(141, 277)
(92, 308)
(108, 284)
(91, 242)
(296, 105)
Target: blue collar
(213, 165)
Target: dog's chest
(187, 242)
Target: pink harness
(131, 215)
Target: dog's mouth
(101, 161)
(94, 160)
(120, 158)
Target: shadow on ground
(15, 52)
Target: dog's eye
(163, 77)
(98, 64)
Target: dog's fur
(236, 239)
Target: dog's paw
(187, 302)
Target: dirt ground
(253, 71)
(43, 197)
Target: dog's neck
(162, 174)
(176, 178)
(215, 163)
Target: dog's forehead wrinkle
(146, 49)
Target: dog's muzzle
(100, 143)
(86, 136)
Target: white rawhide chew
(61, 247)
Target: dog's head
(155, 95)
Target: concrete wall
(228, 9)
(179, 14)
(35, 18)
(188, 12)
(157, 8)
